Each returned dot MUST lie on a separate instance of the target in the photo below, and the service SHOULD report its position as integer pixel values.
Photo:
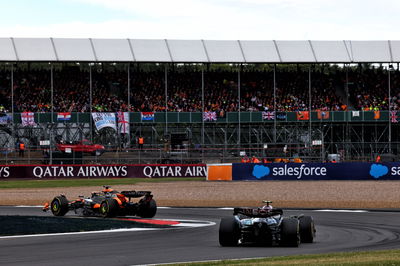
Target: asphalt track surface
(336, 232)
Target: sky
(202, 19)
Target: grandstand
(200, 100)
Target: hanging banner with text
(102, 120)
(103, 171)
(316, 171)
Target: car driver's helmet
(267, 207)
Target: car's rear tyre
(59, 206)
(148, 210)
(109, 208)
(290, 232)
(307, 229)
(228, 232)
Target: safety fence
(158, 155)
(213, 172)
(230, 117)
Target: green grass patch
(370, 258)
(50, 183)
(26, 225)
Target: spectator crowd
(367, 89)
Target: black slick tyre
(290, 232)
(59, 206)
(307, 229)
(228, 232)
(109, 208)
(148, 210)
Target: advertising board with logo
(103, 171)
(316, 171)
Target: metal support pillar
(275, 111)
(12, 104)
(389, 108)
(239, 99)
(202, 111)
(91, 101)
(52, 114)
(129, 104)
(166, 97)
(309, 109)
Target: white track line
(83, 233)
(27, 206)
(182, 224)
(198, 261)
(222, 208)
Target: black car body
(106, 203)
(258, 226)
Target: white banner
(102, 120)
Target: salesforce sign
(316, 171)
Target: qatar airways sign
(103, 171)
(82, 171)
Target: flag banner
(123, 122)
(102, 120)
(66, 116)
(377, 115)
(209, 116)
(394, 117)
(5, 119)
(28, 119)
(303, 115)
(323, 115)
(147, 116)
(268, 115)
(355, 113)
(281, 116)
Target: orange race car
(106, 203)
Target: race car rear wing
(135, 194)
(257, 212)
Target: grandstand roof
(197, 51)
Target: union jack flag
(209, 116)
(268, 115)
(394, 117)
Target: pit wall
(103, 171)
(213, 172)
(304, 171)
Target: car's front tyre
(307, 229)
(59, 206)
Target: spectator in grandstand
(368, 90)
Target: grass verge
(382, 257)
(50, 183)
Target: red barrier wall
(103, 171)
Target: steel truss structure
(218, 142)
